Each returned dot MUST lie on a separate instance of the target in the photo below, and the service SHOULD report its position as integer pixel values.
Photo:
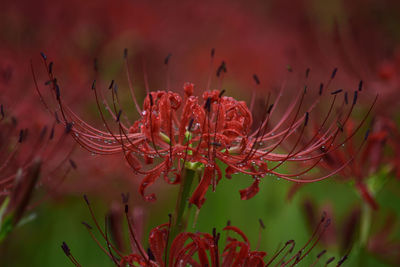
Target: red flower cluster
(202, 249)
(177, 132)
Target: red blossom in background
(176, 132)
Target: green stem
(366, 216)
(178, 224)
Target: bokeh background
(360, 38)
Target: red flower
(176, 132)
(203, 249)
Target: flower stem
(178, 224)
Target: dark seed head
(94, 85)
(321, 87)
(212, 52)
(360, 85)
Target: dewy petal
(250, 191)
(149, 180)
(201, 189)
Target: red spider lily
(23, 158)
(175, 132)
(372, 157)
(202, 249)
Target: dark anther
(125, 197)
(321, 253)
(43, 55)
(21, 136)
(330, 260)
(119, 115)
(126, 208)
(68, 127)
(360, 85)
(346, 100)
(43, 132)
(94, 85)
(166, 60)
(228, 223)
(323, 216)
(57, 91)
(151, 100)
(221, 68)
(366, 134)
(306, 119)
(340, 262)
(73, 164)
(66, 249)
(337, 92)
(126, 53)
(355, 97)
(334, 73)
(321, 87)
(51, 67)
(207, 105)
(212, 52)
(2, 111)
(86, 199)
(87, 225)
(270, 108)
(111, 84)
(307, 72)
(190, 124)
(305, 89)
(221, 93)
(255, 77)
(261, 223)
(51, 133)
